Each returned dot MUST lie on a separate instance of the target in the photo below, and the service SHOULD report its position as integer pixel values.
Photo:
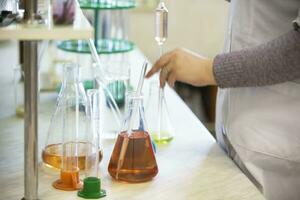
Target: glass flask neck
(134, 102)
(70, 74)
(135, 120)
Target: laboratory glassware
(65, 146)
(117, 70)
(161, 23)
(69, 124)
(92, 183)
(110, 112)
(160, 126)
(133, 158)
(162, 131)
(16, 7)
(9, 5)
(19, 91)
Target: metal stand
(31, 122)
(31, 106)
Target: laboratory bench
(192, 166)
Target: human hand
(184, 66)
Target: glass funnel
(157, 114)
(133, 158)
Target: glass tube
(19, 91)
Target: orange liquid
(69, 181)
(52, 156)
(139, 163)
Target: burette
(161, 34)
(161, 25)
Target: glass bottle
(133, 158)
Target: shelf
(81, 29)
(106, 46)
(105, 5)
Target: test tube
(19, 91)
(93, 138)
(92, 183)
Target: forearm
(274, 62)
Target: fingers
(163, 76)
(163, 61)
(167, 75)
(171, 79)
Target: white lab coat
(261, 125)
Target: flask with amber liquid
(133, 159)
(69, 124)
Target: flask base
(69, 181)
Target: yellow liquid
(20, 111)
(164, 138)
(52, 156)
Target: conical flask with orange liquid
(65, 145)
(69, 124)
(133, 158)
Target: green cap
(91, 189)
(88, 84)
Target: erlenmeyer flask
(65, 148)
(133, 158)
(157, 114)
(65, 144)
